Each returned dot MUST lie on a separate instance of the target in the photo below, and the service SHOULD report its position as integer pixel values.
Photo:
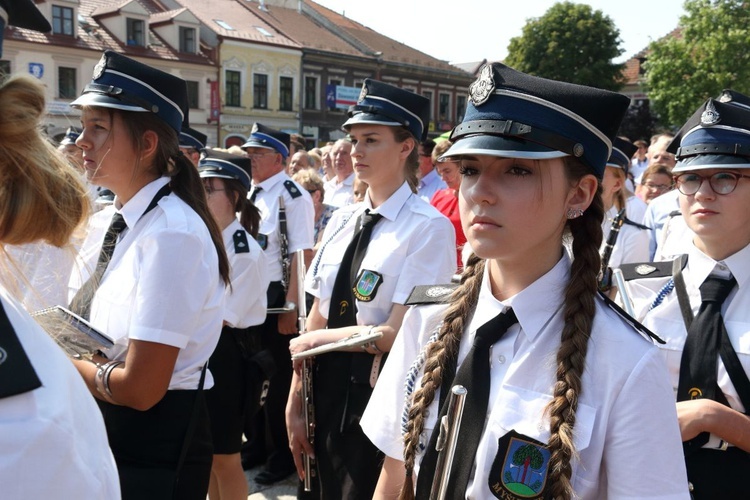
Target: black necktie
(342, 311)
(474, 374)
(254, 193)
(699, 364)
(81, 303)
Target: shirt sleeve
(174, 284)
(246, 303)
(634, 436)
(431, 258)
(300, 223)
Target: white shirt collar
(533, 314)
(392, 205)
(134, 208)
(267, 184)
(701, 265)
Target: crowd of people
(489, 260)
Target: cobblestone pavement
(283, 490)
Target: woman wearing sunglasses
(700, 302)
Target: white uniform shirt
(53, 440)
(246, 299)
(162, 284)
(636, 208)
(300, 219)
(676, 238)
(626, 423)
(657, 214)
(632, 242)
(339, 194)
(413, 244)
(666, 320)
(429, 185)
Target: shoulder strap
(291, 187)
(240, 242)
(679, 286)
(17, 374)
(635, 224)
(638, 270)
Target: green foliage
(708, 55)
(572, 43)
(528, 451)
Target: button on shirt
(53, 440)
(162, 284)
(666, 319)
(339, 194)
(300, 217)
(429, 185)
(413, 244)
(624, 373)
(246, 299)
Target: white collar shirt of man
(413, 244)
(522, 364)
(666, 319)
(339, 194)
(300, 217)
(429, 185)
(164, 265)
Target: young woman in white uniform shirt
(411, 244)
(161, 297)
(709, 361)
(226, 178)
(577, 402)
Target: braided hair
(578, 312)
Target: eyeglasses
(721, 182)
(210, 190)
(658, 187)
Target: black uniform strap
(17, 374)
(635, 224)
(630, 320)
(240, 242)
(681, 290)
(292, 188)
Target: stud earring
(574, 213)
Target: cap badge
(644, 269)
(578, 150)
(100, 67)
(482, 88)
(725, 97)
(363, 93)
(710, 116)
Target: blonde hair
(41, 196)
(578, 318)
(309, 179)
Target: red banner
(215, 102)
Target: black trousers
(266, 432)
(147, 446)
(719, 474)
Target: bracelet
(99, 379)
(107, 371)
(372, 344)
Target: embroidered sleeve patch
(367, 285)
(519, 470)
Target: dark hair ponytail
(249, 213)
(185, 181)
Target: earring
(574, 213)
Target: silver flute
(450, 424)
(307, 371)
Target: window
(192, 92)
(260, 91)
(286, 93)
(311, 92)
(460, 107)
(136, 32)
(232, 89)
(335, 82)
(428, 95)
(4, 68)
(187, 40)
(444, 108)
(62, 20)
(66, 83)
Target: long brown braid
(578, 314)
(463, 301)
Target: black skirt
(147, 447)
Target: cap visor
(369, 119)
(503, 147)
(704, 162)
(24, 14)
(254, 144)
(103, 101)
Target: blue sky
(471, 30)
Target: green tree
(527, 456)
(572, 43)
(707, 54)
